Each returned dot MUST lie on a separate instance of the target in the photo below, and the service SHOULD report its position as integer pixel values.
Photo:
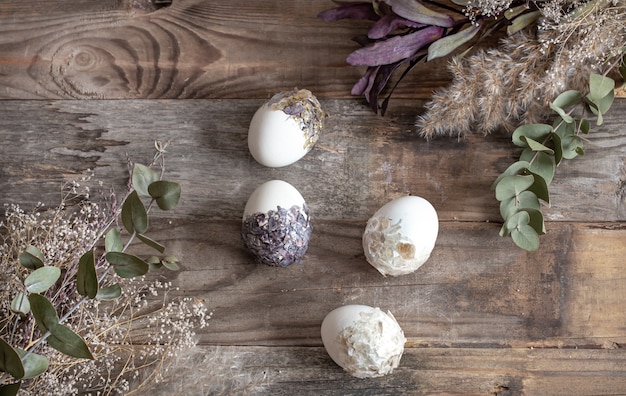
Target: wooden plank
(193, 49)
(477, 289)
(422, 371)
(355, 168)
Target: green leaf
(31, 258)
(570, 146)
(512, 186)
(113, 241)
(526, 238)
(134, 215)
(10, 389)
(86, 278)
(34, 364)
(558, 148)
(151, 242)
(10, 361)
(566, 117)
(42, 279)
(171, 263)
(126, 265)
(166, 194)
(142, 177)
(525, 200)
(20, 304)
(600, 86)
(537, 132)
(568, 99)
(43, 311)
(154, 262)
(522, 22)
(543, 166)
(536, 220)
(584, 126)
(109, 293)
(536, 146)
(66, 341)
(540, 187)
(514, 169)
(447, 44)
(601, 106)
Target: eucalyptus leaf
(127, 265)
(151, 242)
(513, 169)
(522, 22)
(34, 364)
(570, 145)
(113, 241)
(171, 263)
(601, 106)
(584, 126)
(109, 293)
(544, 166)
(20, 304)
(600, 86)
(558, 148)
(540, 187)
(536, 146)
(166, 194)
(10, 361)
(568, 99)
(10, 389)
(134, 215)
(537, 132)
(31, 258)
(526, 238)
(142, 177)
(512, 186)
(43, 311)
(536, 220)
(64, 340)
(447, 44)
(517, 220)
(42, 279)
(86, 278)
(566, 117)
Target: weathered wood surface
(481, 316)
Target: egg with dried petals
(401, 235)
(284, 129)
(276, 225)
(364, 341)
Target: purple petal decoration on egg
(278, 238)
(349, 11)
(416, 11)
(395, 49)
(388, 24)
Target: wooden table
(86, 85)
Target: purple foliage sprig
(405, 33)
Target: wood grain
(193, 49)
(361, 161)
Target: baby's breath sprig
(62, 303)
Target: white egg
(400, 236)
(364, 341)
(285, 128)
(276, 225)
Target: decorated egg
(400, 236)
(285, 128)
(276, 226)
(364, 341)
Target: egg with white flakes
(276, 225)
(365, 341)
(401, 235)
(284, 129)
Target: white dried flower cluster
(134, 338)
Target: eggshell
(401, 235)
(276, 224)
(284, 129)
(364, 341)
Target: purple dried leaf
(415, 11)
(388, 24)
(394, 49)
(379, 82)
(364, 84)
(349, 11)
